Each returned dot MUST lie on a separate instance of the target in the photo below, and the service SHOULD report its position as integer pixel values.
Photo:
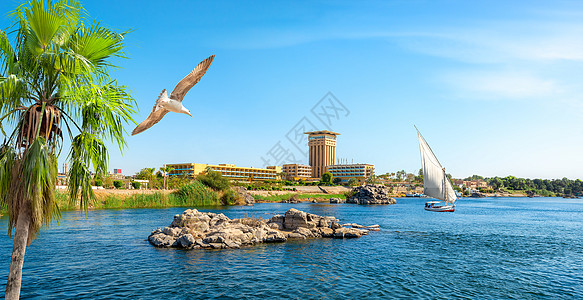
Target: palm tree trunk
(18, 249)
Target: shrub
(326, 177)
(117, 184)
(136, 185)
(196, 193)
(214, 180)
(98, 182)
(229, 197)
(349, 194)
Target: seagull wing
(191, 79)
(155, 116)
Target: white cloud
(499, 85)
(500, 42)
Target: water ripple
(488, 249)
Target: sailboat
(435, 182)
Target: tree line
(543, 187)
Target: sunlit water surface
(490, 248)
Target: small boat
(435, 182)
(438, 206)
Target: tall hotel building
(322, 146)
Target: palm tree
(54, 84)
(163, 170)
(151, 172)
(166, 171)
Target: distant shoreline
(115, 199)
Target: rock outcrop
(242, 191)
(292, 199)
(198, 230)
(371, 194)
(337, 200)
(478, 195)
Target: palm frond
(7, 157)
(39, 174)
(67, 62)
(80, 184)
(7, 56)
(97, 44)
(12, 92)
(47, 22)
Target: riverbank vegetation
(299, 197)
(192, 195)
(543, 187)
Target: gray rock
(248, 198)
(294, 218)
(276, 222)
(292, 199)
(295, 235)
(371, 194)
(337, 200)
(232, 244)
(186, 241)
(161, 240)
(172, 231)
(343, 232)
(274, 236)
(197, 230)
(305, 232)
(335, 225)
(326, 232)
(324, 222)
(216, 245)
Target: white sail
(435, 182)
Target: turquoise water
(490, 248)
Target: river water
(490, 248)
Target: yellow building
(360, 172)
(227, 170)
(322, 146)
(297, 171)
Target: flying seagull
(164, 104)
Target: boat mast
(444, 186)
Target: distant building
(472, 185)
(322, 145)
(360, 172)
(227, 170)
(277, 169)
(297, 171)
(62, 179)
(116, 174)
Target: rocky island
(368, 194)
(205, 230)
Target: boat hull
(439, 207)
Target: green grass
(192, 195)
(279, 198)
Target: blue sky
(494, 86)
